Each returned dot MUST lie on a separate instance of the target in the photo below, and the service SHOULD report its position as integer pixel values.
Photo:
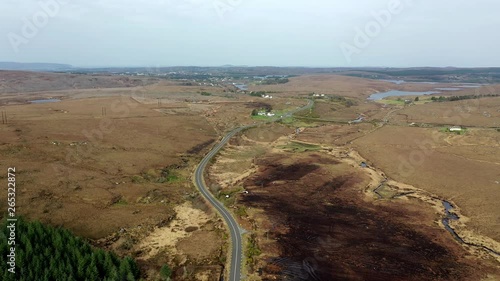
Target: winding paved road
(234, 228)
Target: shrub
(165, 272)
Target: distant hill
(483, 75)
(15, 81)
(34, 66)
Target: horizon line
(244, 66)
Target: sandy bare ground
(168, 237)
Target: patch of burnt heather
(325, 233)
(339, 182)
(198, 148)
(259, 105)
(318, 159)
(343, 242)
(238, 141)
(276, 172)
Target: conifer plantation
(46, 253)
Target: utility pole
(4, 117)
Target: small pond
(379, 96)
(45, 101)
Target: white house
(456, 129)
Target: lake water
(241, 87)
(394, 93)
(448, 89)
(397, 82)
(463, 85)
(470, 86)
(45, 101)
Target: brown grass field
(353, 87)
(27, 82)
(327, 84)
(113, 162)
(99, 175)
(464, 169)
(304, 206)
(482, 112)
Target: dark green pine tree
(92, 271)
(165, 272)
(47, 253)
(124, 269)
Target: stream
(450, 216)
(448, 207)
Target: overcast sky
(252, 32)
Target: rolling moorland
(351, 189)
